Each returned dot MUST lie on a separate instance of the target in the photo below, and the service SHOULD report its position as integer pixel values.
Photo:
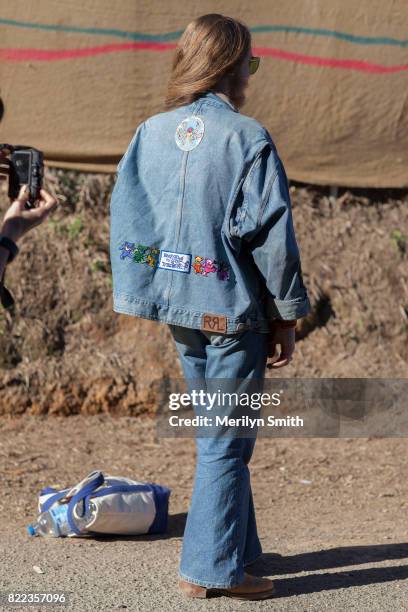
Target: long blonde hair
(211, 47)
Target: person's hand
(18, 219)
(286, 338)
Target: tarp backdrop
(77, 77)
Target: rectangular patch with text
(213, 323)
(179, 262)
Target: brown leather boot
(252, 587)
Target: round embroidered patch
(189, 133)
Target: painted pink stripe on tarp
(49, 55)
(330, 62)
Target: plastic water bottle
(54, 522)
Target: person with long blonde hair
(202, 239)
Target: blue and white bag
(119, 505)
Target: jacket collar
(218, 100)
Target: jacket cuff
(288, 309)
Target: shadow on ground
(273, 564)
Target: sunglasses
(254, 64)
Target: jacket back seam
(180, 202)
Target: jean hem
(210, 585)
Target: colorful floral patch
(127, 250)
(144, 254)
(189, 133)
(202, 265)
(140, 253)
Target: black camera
(26, 168)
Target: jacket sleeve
(263, 223)
(130, 148)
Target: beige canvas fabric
(344, 124)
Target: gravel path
(338, 543)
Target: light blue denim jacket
(201, 230)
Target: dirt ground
(338, 543)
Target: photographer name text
(244, 421)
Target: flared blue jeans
(220, 535)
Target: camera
(26, 168)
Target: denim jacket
(201, 230)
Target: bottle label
(59, 513)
